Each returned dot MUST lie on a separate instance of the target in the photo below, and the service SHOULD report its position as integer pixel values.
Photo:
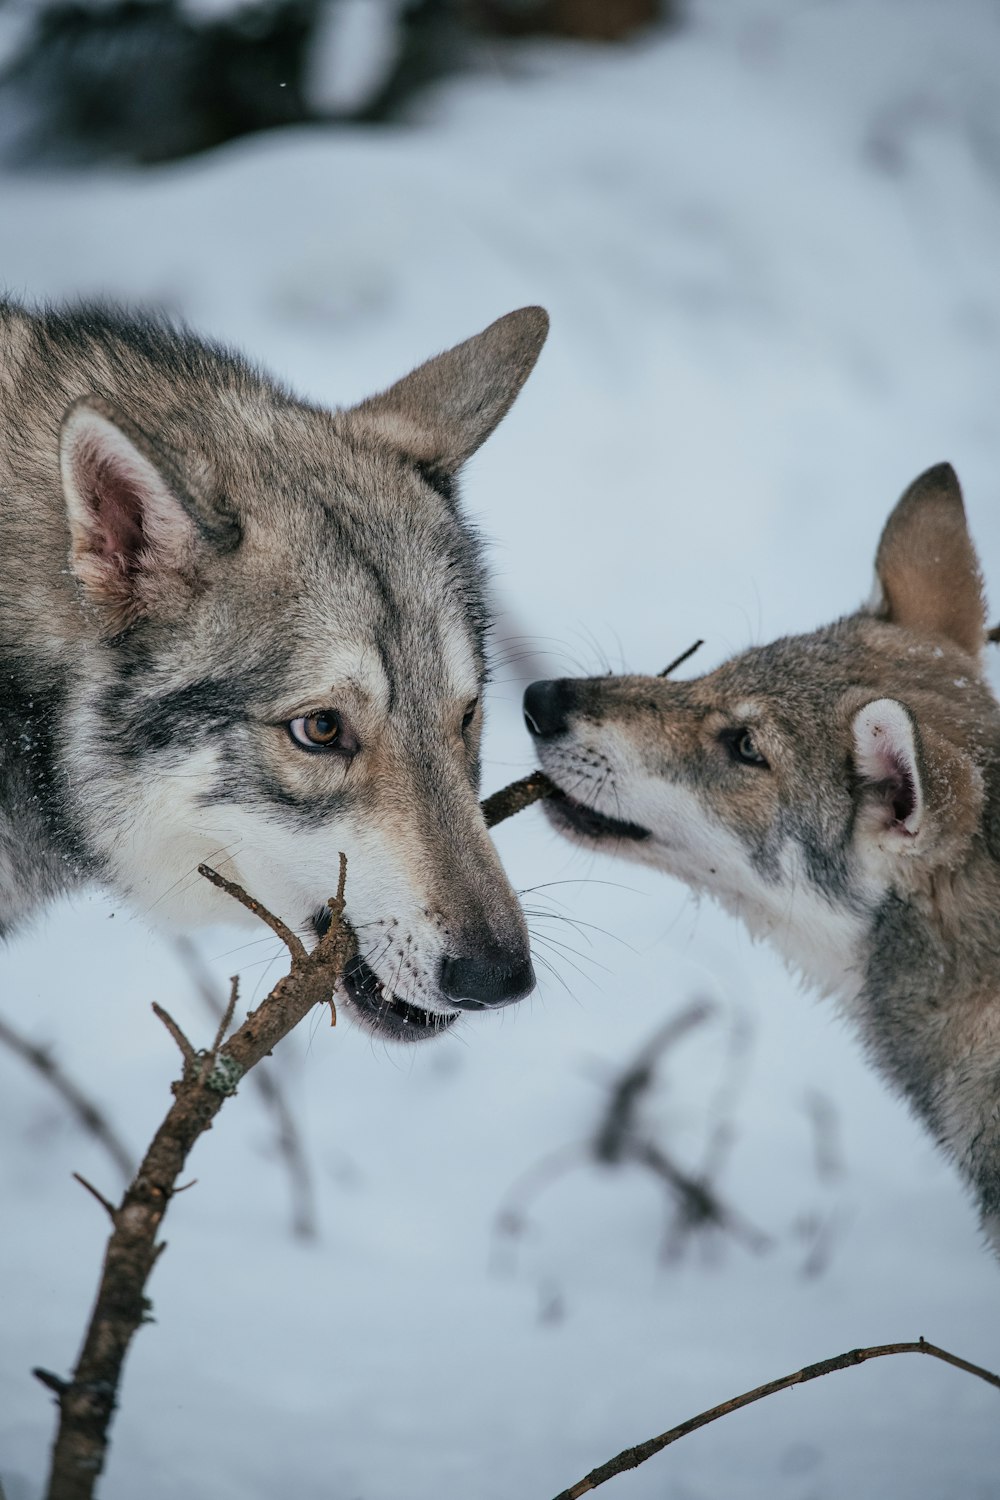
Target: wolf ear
(920, 793)
(444, 410)
(887, 764)
(927, 565)
(133, 540)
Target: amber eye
(742, 747)
(470, 714)
(322, 731)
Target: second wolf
(840, 792)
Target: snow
(769, 246)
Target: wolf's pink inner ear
(927, 565)
(128, 528)
(886, 761)
(114, 495)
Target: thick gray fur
(840, 792)
(194, 559)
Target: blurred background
(768, 234)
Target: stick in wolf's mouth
(516, 797)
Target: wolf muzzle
(548, 706)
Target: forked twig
(291, 940)
(95, 1193)
(288, 1139)
(186, 1049)
(87, 1401)
(225, 1021)
(617, 1129)
(621, 1138)
(631, 1458)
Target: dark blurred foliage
(590, 20)
(628, 1136)
(146, 80)
(154, 80)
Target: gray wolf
(242, 630)
(840, 792)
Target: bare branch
(618, 1126)
(516, 797)
(679, 661)
(109, 1207)
(511, 1216)
(187, 1051)
(699, 1204)
(208, 1060)
(287, 1137)
(290, 939)
(89, 1115)
(622, 1137)
(339, 900)
(50, 1381)
(87, 1403)
(631, 1458)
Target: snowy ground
(770, 248)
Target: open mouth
(385, 1013)
(379, 1009)
(566, 812)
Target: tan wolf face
(287, 661)
(802, 781)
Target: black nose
(546, 708)
(496, 979)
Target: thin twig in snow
(631, 1458)
(288, 1139)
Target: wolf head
(285, 660)
(803, 782)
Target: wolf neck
(926, 1000)
(819, 933)
(916, 972)
(822, 944)
(931, 1021)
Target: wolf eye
(322, 731)
(470, 714)
(741, 746)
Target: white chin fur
(402, 946)
(820, 940)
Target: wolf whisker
(190, 878)
(550, 968)
(578, 925)
(563, 957)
